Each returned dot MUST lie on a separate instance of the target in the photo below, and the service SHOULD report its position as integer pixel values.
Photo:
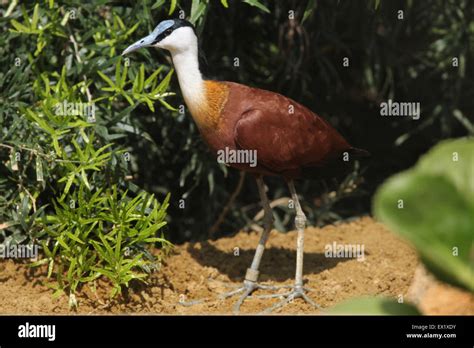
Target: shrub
(102, 234)
(66, 167)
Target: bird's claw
(246, 290)
(297, 292)
(249, 287)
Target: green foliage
(100, 233)
(373, 306)
(138, 94)
(300, 57)
(65, 155)
(432, 205)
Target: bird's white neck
(190, 80)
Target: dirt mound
(204, 270)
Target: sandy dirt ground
(202, 271)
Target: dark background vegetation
(407, 59)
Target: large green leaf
(432, 206)
(453, 159)
(373, 306)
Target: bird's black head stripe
(178, 23)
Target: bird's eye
(168, 31)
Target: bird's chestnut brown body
(287, 136)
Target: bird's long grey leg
(251, 276)
(252, 272)
(300, 224)
(298, 290)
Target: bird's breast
(212, 118)
(208, 111)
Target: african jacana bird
(286, 136)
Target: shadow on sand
(278, 264)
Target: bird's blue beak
(147, 41)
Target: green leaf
(158, 4)
(41, 122)
(11, 7)
(107, 246)
(172, 7)
(164, 83)
(167, 105)
(38, 263)
(62, 243)
(39, 169)
(257, 4)
(106, 79)
(118, 245)
(141, 78)
(34, 20)
(153, 76)
(454, 160)
(118, 81)
(70, 180)
(50, 268)
(310, 7)
(84, 179)
(74, 237)
(373, 306)
(198, 8)
(56, 146)
(20, 27)
(138, 83)
(432, 206)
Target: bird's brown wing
(287, 136)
